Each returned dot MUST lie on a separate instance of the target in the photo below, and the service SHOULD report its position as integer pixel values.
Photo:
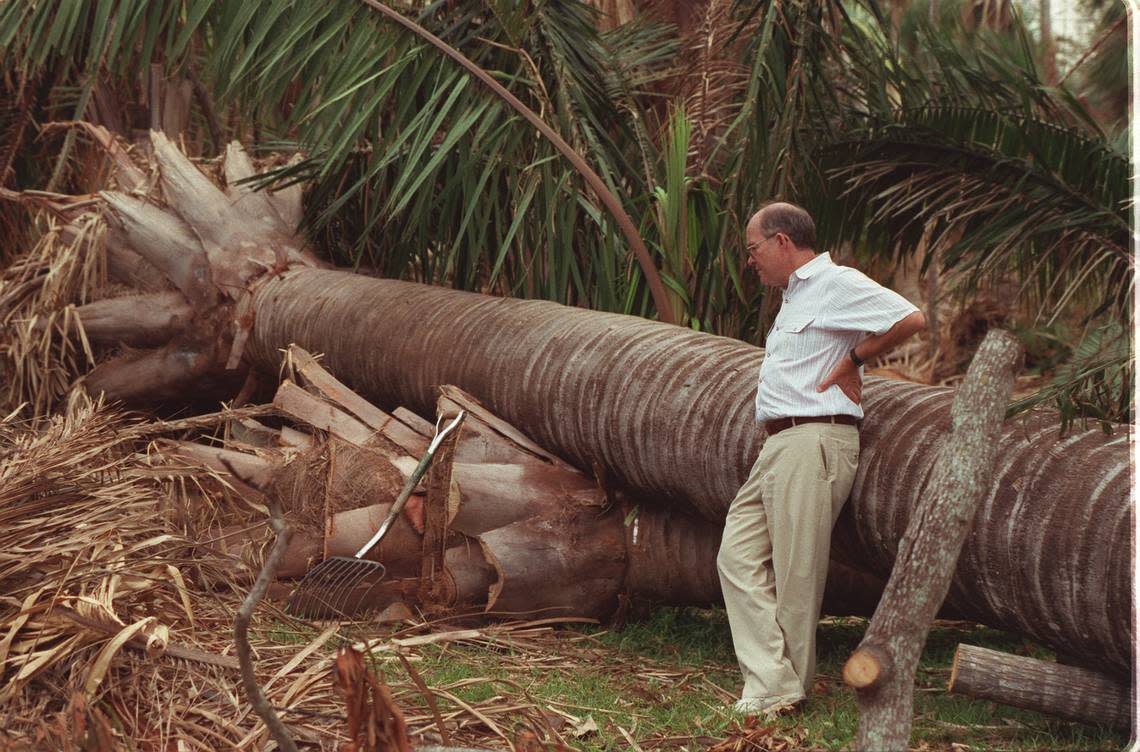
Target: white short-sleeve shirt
(827, 310)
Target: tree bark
(1077, 694)
(883, 666)
(242, 618)
(664, 413)
(1048, 43)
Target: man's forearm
(904, 329)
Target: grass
(667, 683)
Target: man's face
(764, 255)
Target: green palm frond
(414, 169)
(1006, 194)
(389, 124)
(1095, 383)
(1104, 78)
(1013, 177)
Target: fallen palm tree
(505, 528)
(656, 411)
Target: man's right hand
(846, 376)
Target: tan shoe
(766, 706)
(782, 709)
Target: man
(774, 553)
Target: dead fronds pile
(44, 349)
(116, 618)
(91, 565)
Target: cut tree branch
(1071, 692)
(883, 666)
(268, 572)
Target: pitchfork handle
(410, 485)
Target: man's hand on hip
(846, 376)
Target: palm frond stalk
(664, 310)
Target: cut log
(413, 442)
(1077, 694)
(414, 422)
(296, 402)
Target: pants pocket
(827, 466)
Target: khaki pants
(774, 553)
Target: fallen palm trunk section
(665, 413)
(503, 528)
(1065, 691)
(653, 411)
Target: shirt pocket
(796, 324)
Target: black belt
(773, 427)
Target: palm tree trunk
(662, 412)
(1048, 44)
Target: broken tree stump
(1071, 692)
(882, 668)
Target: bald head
(793, 221)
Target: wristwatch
(855, 358)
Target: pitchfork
(327, 587)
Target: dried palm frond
(111, 627)
(82, 535)
(715, 78)
(109, 634)
(613, 13)
(45, 349)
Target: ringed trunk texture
(666, 413)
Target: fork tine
(306, 598)
(347, 585)
(352, 599)
(327, 590)
(329, 587)
(328, 572)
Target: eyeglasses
(753, 248)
